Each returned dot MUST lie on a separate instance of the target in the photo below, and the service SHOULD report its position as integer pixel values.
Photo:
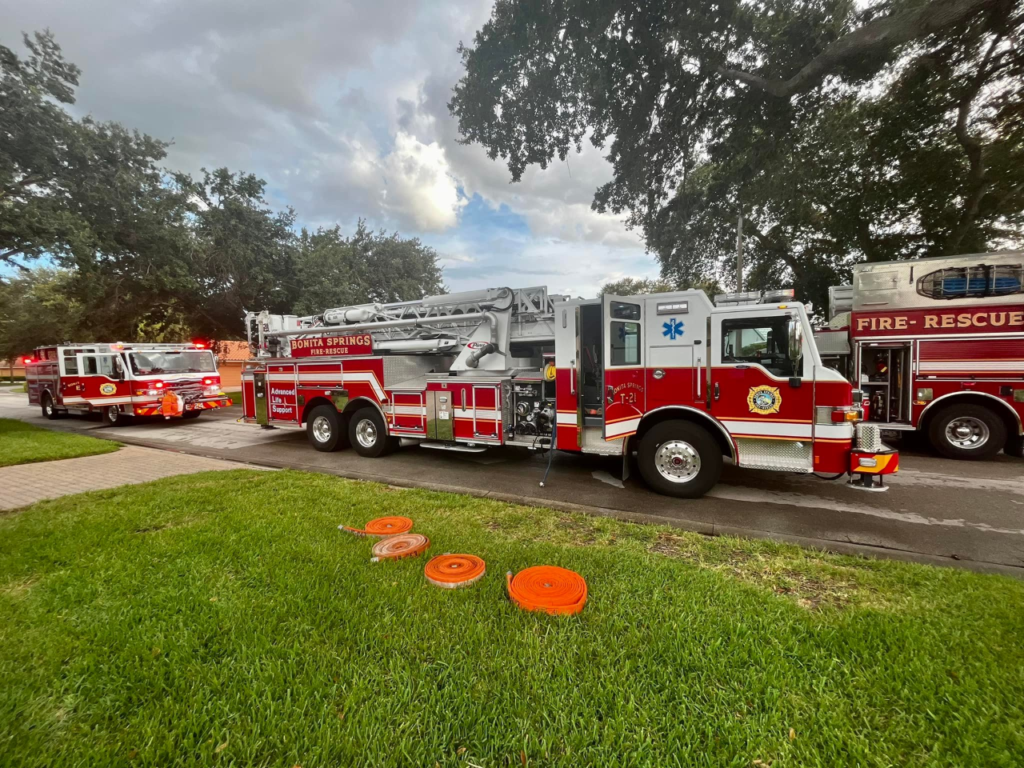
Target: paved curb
(707, 529)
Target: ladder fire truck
(118, 380)
(936, 345)
(686, 385)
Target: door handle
(659, 374)
(610, 394)
(717, 392)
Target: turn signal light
(842, 415)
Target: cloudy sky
(341, 106)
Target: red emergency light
(27, 360)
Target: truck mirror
(796, 339)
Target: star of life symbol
(673, 329)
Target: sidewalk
(26, 484)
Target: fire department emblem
(107, 389)
(764, 400)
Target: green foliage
(37, 306)
(631, 286)
(27, 444)
(222, 618)
(243, 251)
(843, 131)
(336, 271)
(146, 255)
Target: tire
(111, 416)
(368, 435)
(191, 414)
(1015, 446)
(967, 431)
(323, 428)
(47, 407)
(680, 458)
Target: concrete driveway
(937, 510)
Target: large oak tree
(844, 131)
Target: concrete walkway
(26, 484)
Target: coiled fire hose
(397, 547)
(382, 526)
(451, 571)
(547, 588)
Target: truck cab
(119, 380)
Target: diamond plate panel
(792, 455)
(594, 442)
(869, 438)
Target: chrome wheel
(321, 429)
(967, 433)
(677, 461)
(47, 408)
(366, 433)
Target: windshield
(145, 363)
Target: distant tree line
(98, 241)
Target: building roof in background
(232, 351)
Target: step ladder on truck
(683, 384)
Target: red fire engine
(686, 385)
(119, 380)
(936, 345)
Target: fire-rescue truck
(936, 345)
(118, 380)
(684, 384)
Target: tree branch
(975, 151)
(878, 36)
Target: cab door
(102, 380)
(624, 374)
(760, 385)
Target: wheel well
(358, 404)
(1001, 411)
(682, 414)
(309, 406)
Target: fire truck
(119, 380)
(936, 345)
(685, 385)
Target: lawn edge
(693, 526)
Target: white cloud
(341, 105)
(420, 185)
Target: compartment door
(487, 412)
(282, 394)
(624, 373)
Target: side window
(979, 280)
(98, 365)
(70, 363)
(625, 343)
(761, 340)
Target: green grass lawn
(22, 443)
(236, 397)
(222, 619)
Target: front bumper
(874, 462)
(201, 404)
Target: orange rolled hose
(547, 588)
(382, 526)
(451, 571)
(402, 545)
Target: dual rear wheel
(364, 431)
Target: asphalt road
(958, 513)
